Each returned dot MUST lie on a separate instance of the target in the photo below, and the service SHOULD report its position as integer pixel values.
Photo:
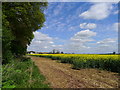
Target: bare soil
(61, 75)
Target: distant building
(31, 52)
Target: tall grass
(22, 74)
(105, 62)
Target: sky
(78, 27)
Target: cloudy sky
(78, 27)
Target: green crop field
(105, 62)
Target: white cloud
(45, 47)
(78, 43)
(85, 34)
(81, 42)
(97, 11)
(43, 42)
(50, 42)
(41, 37)
(106, 41)
(116, 26)
(88, 25)
(106, 45)
(82, 37)
(116, 12)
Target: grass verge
(22, 74)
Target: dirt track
(61, 75)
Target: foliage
(20, 20)
(6, 43)
(105, 62)
(22, 74)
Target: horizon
(60, 52)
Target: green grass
(22, 74)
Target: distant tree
(114, 53)
(62, 52)
(57, 52)
(54, 51)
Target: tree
(21, 19)
(54, 51)
(62, 52)
(57, 52)
(7, 37)
(6, 45)
(113, 52)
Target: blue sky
(78, 27)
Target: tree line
(19, 21)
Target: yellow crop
(106, 62)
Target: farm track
(61, 75)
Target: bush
(22, 74)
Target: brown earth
(61, 75)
